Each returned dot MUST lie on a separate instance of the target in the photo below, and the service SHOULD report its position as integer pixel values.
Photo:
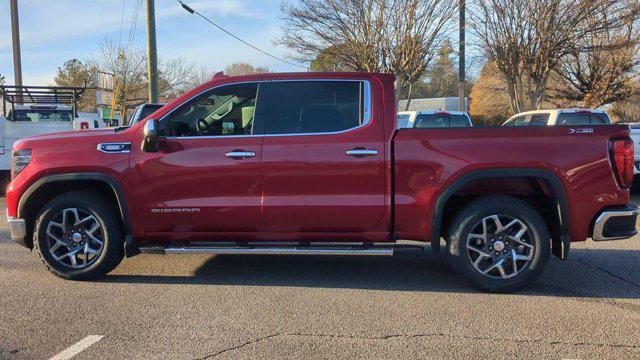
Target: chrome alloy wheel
(75, 238)
(500, 251)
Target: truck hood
(71, 137)
(70, 134)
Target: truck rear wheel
(498, 244)
(78, 236)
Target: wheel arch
(47, 187)
(560, 245)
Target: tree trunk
(398, 88)
(513, 97)
(409, 97)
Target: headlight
(20, 160)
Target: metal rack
(41, 95)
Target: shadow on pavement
(614, 274)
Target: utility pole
(152, 62)
(461, 60)
(15, 35)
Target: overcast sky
(54, 31)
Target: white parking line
(78, 347)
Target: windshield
(142, 112)
(148, 110)
(42, 115)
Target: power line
(192, 11)
(121, 22)
(134, 24)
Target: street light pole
(152, 65)
(461, 60)
(15, 35)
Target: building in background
(448, 104)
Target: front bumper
(616, 224)
(18, 230)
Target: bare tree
(528, 39)
(239, 68)
(627, 111)
(489, 99)
(129, 67)
(200, 76)
(174, 77)
(396, 36)
(602, 68)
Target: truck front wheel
(78, 236)
(498, 243)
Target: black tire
(468, 218)
(112, 235)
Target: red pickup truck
(313, 163)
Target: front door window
(227, 110)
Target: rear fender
(560, 247)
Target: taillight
(621, 151)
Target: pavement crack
(246, 343)
(467, 337)
(415, 336)
(611, 274)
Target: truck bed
(432, 164)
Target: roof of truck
(564, 111)
(433, 112)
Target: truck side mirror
(151, 136)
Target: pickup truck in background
(559, 117)
(433, 119)
(35, 119)
(635, 137)
(314, 164)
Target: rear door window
(299, 107)
(539, 120)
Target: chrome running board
(335, 250)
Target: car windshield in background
(42, 115)
(426, 121)
(148, 110)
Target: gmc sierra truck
(314, 164)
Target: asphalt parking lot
(229, 307)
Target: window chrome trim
(125, 150)
(366, 116)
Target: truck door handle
(361, 152)
(239, 154)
